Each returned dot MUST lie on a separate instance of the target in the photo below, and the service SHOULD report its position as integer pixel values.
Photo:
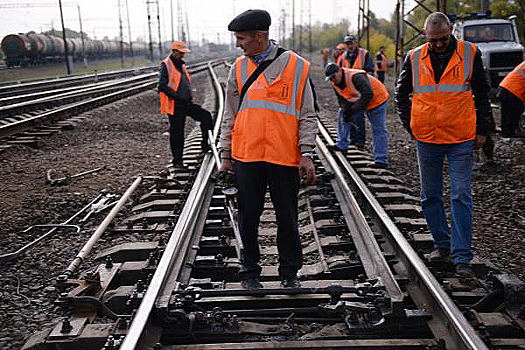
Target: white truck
(497, 39)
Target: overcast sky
(207, 18)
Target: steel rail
(78, 93)
(13, 89)
(173, 248)
(363, 236)
(457, 332)
(50, 116)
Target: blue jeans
(460, 159)
(355, 129)
(377, 119)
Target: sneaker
(251, 284)
(464, 270)
(335, 148)
(290, 282)
(379, 165)
(360, 147)
(439, 254)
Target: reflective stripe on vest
(359, 62)
(352, 94)
(467, 64)
(167, 105)
(515, 81)
(266, 126)
(445, 112)
(247, 103)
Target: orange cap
(179, 46)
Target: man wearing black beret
(267, 137)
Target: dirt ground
(129, 139)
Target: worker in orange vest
(381, 64)
(326, 53)
(267, 138)
(176, 101)
(356, 93)
(511, 94)
(339, 50)
(442, 100)
(357, 58)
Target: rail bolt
(66, 326)
(109, 262)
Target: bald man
(442, 100)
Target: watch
(308, 154)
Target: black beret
(250, 20)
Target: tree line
(383, 31)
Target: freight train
(32, 48)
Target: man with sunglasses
(442, 100)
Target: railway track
(364, 282)
(22, 109)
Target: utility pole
(368, 25)
(293, 25)
(171, 18)
(301, 26)
(130, 39)
(82, 37)
(158, 21)
(180, 22)
(121, 35)
(231, 35)
(188, 27)
(149, 31)
(66, 49)
(310, 26)
(485, 6)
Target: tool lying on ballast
(51, 173)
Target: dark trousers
(511, 111)
(177, 122)
(381, 76)
(252, 179)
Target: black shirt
(183, 93)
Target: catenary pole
(66, 50)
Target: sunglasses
(443, 39)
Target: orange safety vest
(167, 105)
(352, 94)
(267, 124)
(515, 81)
(359, 62)
(384, 63)
(444, 112)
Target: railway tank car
(33, 48)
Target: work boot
(205, 147)
(290, 282)
(251, 284)
(464, 270)
(439, 254)
(335, 148)
(180, 165)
